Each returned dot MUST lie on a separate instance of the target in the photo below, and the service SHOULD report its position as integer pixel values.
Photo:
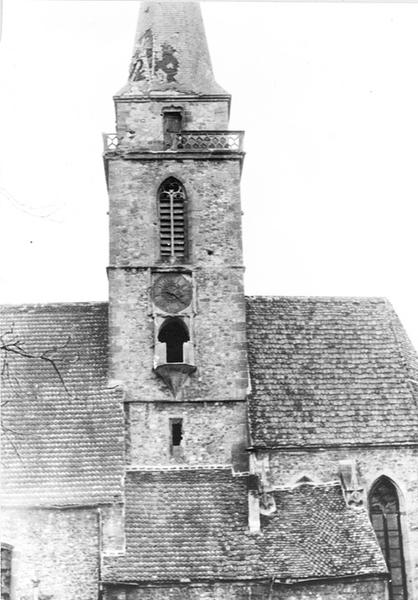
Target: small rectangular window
(172, 127)
(176, 436)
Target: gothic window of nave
(386, 521)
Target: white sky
(327, 94)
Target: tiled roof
(62, 438)
(193, 524)
(184, 524)
(323, 371)
(314, 534)
(329, 371)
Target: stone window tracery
(172, 215)
(385, 518)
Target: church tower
(176, 299)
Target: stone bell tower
(176, 299)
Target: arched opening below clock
(174, 333)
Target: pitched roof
(329, 371)
(62, 428)
(192, 524)
(313, 534)
(184, 524)
(323, 371)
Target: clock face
(172, 292)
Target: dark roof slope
(184, 524)
(329, 371)
(314, 534)
(192, 524)
(323, 371)
(62, 429)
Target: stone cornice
(176, 155)
(173, 98)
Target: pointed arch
(172, 211)
(385, 516)
(174, 333)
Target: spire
(170, 53)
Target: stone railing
(209, 140)
(110, 142)
(186, 141)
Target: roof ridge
(401, 340)
(356, 299)
(176, 468)
(312, 484)
(54, 304)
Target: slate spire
(170, 53)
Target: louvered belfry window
(172, 210)
(385, 518)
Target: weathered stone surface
(211, 432)
(58, 548)
(219, 349)
(213, 210)
(140, 124)
(362, 589)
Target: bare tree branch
(12, 346)
(10, 343)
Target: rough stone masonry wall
(210, 433)
(399, 464)
(218, 334)
(218, 328)
(140, 124)
(213, 210)
(362, 589)
(57, 547)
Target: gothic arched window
(174, 333)
(385, 518)
(172, 213)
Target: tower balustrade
(185, 141)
